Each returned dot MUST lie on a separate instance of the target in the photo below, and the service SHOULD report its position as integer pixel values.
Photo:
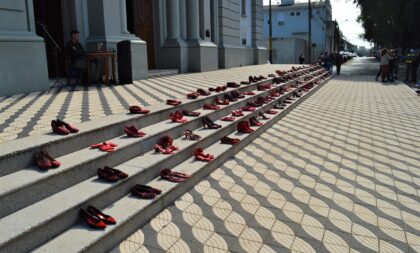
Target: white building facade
(188, 35)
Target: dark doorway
(49, 12)
(140, 23)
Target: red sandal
(200, 156)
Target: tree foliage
(391, 23)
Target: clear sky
(343, 10)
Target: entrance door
(49, 12)
(140, 22)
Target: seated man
(76, 55)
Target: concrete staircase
(39, 210)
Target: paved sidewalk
(340, 173)
(31, 114)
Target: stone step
(43, 220)
(24, 187)
(131, 212)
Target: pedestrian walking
(385, 57)
(301, 59)
(338, 60)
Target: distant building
(188, 35)
(290, 21)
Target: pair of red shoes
(173, 102)
(218, 101)
(165, 146)
(211, 107)
(110, 174)
(272, 112)
(63, 128)
(248, 93)
(203, 92)
(244, 127)
(189, 135)
(218, 89)
(135, 109)
(177, 117)
(253, 121)
(229, 141)
(145, 192)
(262, 87)
(45, 161)
(248, 108)
(133, 131)
(173, 176)
(95, 218)
(237, 113)
(227, 118)
(105, 146)
(200, 156)
(232, 85)
(193, 95)
(191, 114)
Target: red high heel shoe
(159, 149)
(69, 127)
(42, 161)
(262, 115)
(191, 114)
(132, 131)
(200, 156)
(207, 122)
(54, 163)
(91, 220)
(59, 128)
(237, 113)
(243, 127)
(189, 135)
(103, 217)
(221, 102)
(253, 121)
(137, 110)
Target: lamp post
(310, 31)
(270, 36)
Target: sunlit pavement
(340, 173)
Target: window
(243, 7)
(298, 13)
(292, 13)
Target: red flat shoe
(118, 173)
(107, 175)
(229, 141)
(193, 95)
(59, 128)
(132, 131)
(227, 119)
(254, 103)
(168, 175)
(248, 108)
(134, 109)
(103, 217)
(232, 85)
(143, 192)
(237, 113)
(211, 107)
(262, 115)
(177, 117)
(248, 93)
(200, 156)
(253, 121)
(148, 188)
(42, 161)
(191, 114)
(91, 220)
(54, 163)
(173, 102)
(275, 94)
(271, 112)
(236, 94)
(69, 127)
(203, 92)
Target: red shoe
(248, 93)
(107, 175)
(189, 135)
(275, 94)
(103, 217)
(59, 128)
(243, 127)
(167, 174)
(42, 161)
(229, 141)
(237, 113)
(132, 131)
(91, 220)
(118, 173)
(105, 146)
(221, 102)
(262, 115)
(200, 156)
(253, 103)
(203, 92)
(232, 85)
(173, 102)
(248, 108)
(193, 95)
(54, 163)
(191, 114)
(137, 110)
(69, 127)
(253, 121)
(207, 122)
(145, 192)
(236, 94)
(271, 112)
(177, 117)
(211, 107)
(227, 119)
(159, 149)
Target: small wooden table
(106, 55)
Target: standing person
(301, 59)
(391, 66)
(385, 57)
(338, 60)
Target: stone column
(172, 20)
(193, 20)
